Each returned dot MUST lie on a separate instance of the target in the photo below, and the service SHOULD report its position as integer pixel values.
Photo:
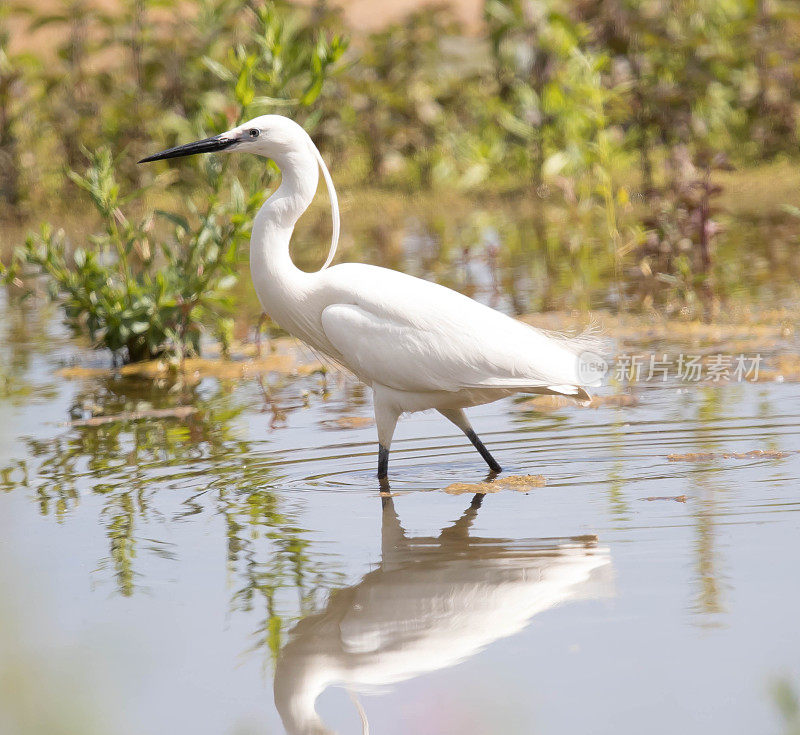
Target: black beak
(209, 145)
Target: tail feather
(573, 391)
(591, 339)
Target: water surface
(233, 570)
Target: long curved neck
(277, 281)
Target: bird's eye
(254, 132)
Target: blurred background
(628, 154)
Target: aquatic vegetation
(518, 483)
(289, 361)
(133, 291)
(143, 288)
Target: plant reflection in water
(148, 474)
(431, 603)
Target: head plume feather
(334, 200)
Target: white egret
(418, 345)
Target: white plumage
(440, 339)
(419, 345)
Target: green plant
(407, 94)
(552, 107)
(574, 118)
(15, 94)
(133, 292)
(136, 289)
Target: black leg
(383, 462)
(483, 451)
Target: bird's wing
(414, 335)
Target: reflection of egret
(431, 603)
(419, 345)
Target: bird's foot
(491, 475)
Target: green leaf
(176, 219)
(217, 69)
(237, 195)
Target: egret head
(271, 136)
